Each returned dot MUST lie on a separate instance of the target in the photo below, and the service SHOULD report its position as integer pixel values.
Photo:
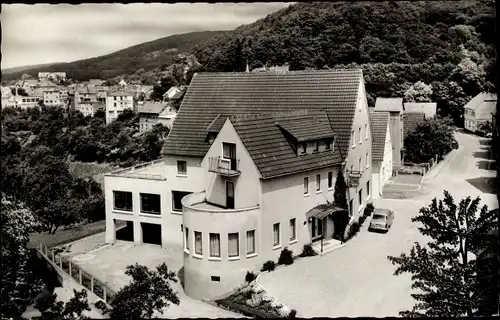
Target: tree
(444, 270)
(339, 195)
(20, 91)
(485, 127)
(431, 137)
(26, 77)
(148, 292)
(419, 92)
(19, 284)
(50, 308)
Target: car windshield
(378, 217)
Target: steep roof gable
(239, 93)
(428, 108)
(411, 120)
(475, 102)
(379, 121)
(270, 149)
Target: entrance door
(317, 229)
(230, 194)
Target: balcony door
(230, 194)
(229, 153)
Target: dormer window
(316, 146)
(328, 143)
(303, 148)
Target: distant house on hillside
(428, 108)
(122, 83)
(51, 76)
(150, 114)
(479, 110)
(173, 94)
(116, 103)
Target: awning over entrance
(322, 210)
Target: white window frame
(237, 256)
(195, 253)
(360, 136)
(293, 230)
(306, 186)
(180, 173)
(277, 245)
(210, 253)
(318, 183)
(186, 239)
(367, 162)
(360, 164)
(366, 131)
(353, 137)
(254, 252)
(330, 181)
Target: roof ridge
(352, 70)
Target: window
(318, 182)
(367, 161)
(316, 146)
(293, 231)
(328, 143)
(360, 137)
(215, 245)
(114, 104)
(276, 234)
(150, 203)
(215, 278)
(353, 139)
(251, 242)
(198, 243)
(115, 99)
(176, 199)
(360, 196)
(303, 148)
(359, 163)
(330, 179)
(306, 185)
(366, 131)
(351, 202)
(367, 188)
(122, 200)
(233, 248)
(228, 150)
(186, 242)
(181, 167)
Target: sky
(45, 33)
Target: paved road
(357, 280)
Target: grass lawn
(63, 236)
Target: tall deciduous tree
(445, 271)
(419, 92)
(19, 285)
(148, 292)
(58, 310)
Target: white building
(242, 188)
(382, 155)
(52, 98)
(479, 110)
(52, 76)
(116, 103)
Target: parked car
(381, 219)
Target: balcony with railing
(224, 167)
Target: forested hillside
(146, 56)
(449, 45)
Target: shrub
(353, 229)
(362, 220)
(268, 266)
(286, 257)
(368, 209)
(100, 305)
(292, 314)
(250, 276)
(308, 251)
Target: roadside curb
(445, 162)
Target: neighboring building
(167, 116)
(397, 126)
(479, 110)
(51, 76)
(278, 185)
(52, 98)
(88, 109)
(381, 151)
(428, 108)
(116, 103)
(149, 114)
(411, 121)
(42, 86)
(172, 94)
(122, 83)
(27, 102)
(102, 93)
(29, 86)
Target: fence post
(53, 255)
(92, 284)
(80, 276)
(69, 266)
(104, 292)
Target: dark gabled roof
(389, 104)
(270, 150)
(240, 93)
(152, 107)
(307, 127)
(216, 124)
(410, 121)
(379, 121)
